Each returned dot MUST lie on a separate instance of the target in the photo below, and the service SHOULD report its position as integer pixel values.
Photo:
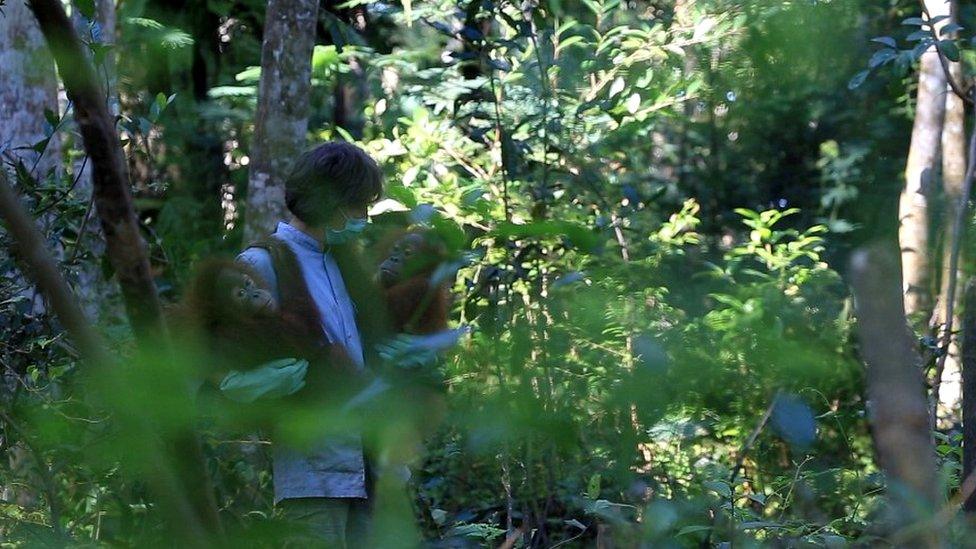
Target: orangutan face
(246, 295)
(402, 260)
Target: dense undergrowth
(651, 206)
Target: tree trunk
(896, 391)
(282, 115)
(99, 297)
(349, 94)
(113, 202)
(683, 21)
(920, 176)
(351, 90)
(953, 177)
(968, 364)
(28, 88)
(181, 476)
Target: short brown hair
(332, 175)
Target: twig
(546, 98)
(747, 445)
(81, 231)
(789, 493)
(963, 94)
(565, 541)
(66, 192)
(496, 98)
(618, 233)
(48, 142)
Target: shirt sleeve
(260, 260)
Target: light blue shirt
(335, 468)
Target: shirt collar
(291, 234)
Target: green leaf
(950, 50)
(918, 35)
(747, 213)
(887, 41)
(720, 487)
(617, 86)
(253, 74)
(692, 529)
(593, 487)
(86, 8)
(51, 117)
(158, 106)
(500, 64)
(449, 232)
(881, 57)
(950, 28)
(99, 51)
(232, 91)
(325, 61)
(758, 498)
(40, 145)
(858, 79)
(402, 195)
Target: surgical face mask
(354, 227)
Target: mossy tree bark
(282, 116)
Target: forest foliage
(651, 207)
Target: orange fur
(414, 306)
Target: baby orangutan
(417, 300)
(417, 303)
(242, 325)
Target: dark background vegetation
(657, 203)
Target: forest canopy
(679, 273)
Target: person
(327, 194)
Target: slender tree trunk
(896, 391)
(953, 176)
(349, 95)
(683, 20)
(968, 364)
(113, 202)
(920, 176)
(282, 116)
(185, 484)
(100, 297)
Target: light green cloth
(273, 379)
